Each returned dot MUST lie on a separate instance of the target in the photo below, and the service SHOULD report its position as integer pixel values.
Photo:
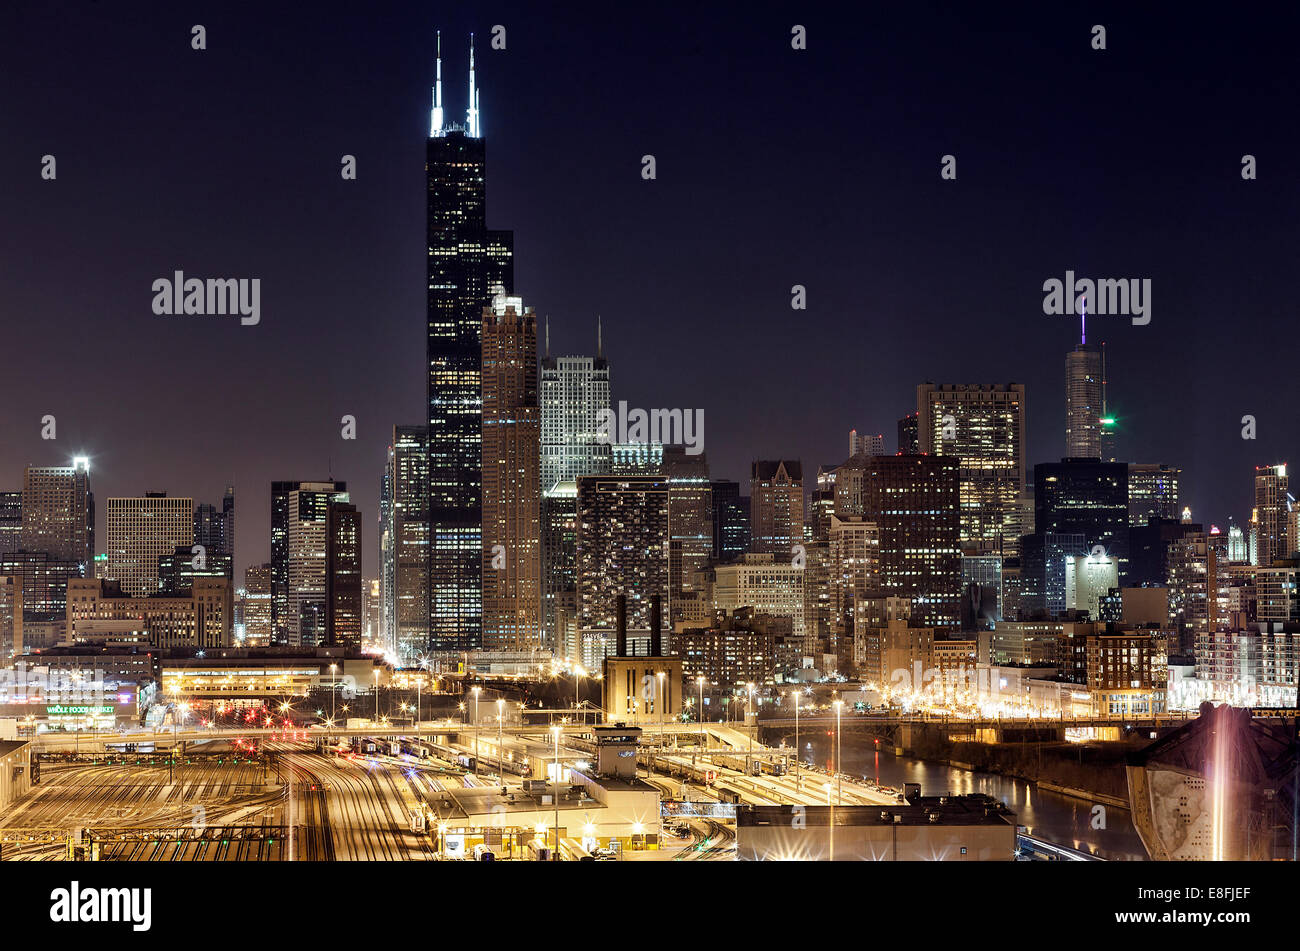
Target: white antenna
(435, 117)
(471, 114)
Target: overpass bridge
(899, 730)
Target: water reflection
(1056, 818)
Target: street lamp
(700, 682)
(476, 693)
(749, 708)
(839, 780)
(659, 705)
(556, 857)
(827, 788)
(333, 694)
(796, 739)
(376, 695)
(501, 718)
(578, 674)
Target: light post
(578, 674)
(659, 705)
(501, 718)
(749, 709)
(476, 693)
(376, 696)
(556, 856)
(700, 682)
(797, 752)
(333, 695)
(839, 781)
(832, 823)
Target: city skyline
(367, 368)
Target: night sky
(775, 167)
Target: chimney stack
(620, 626)
(656, 624)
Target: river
(1062, 820)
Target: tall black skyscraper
(281, 590)
(468, 263)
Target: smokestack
(620, 625)
(656, 623)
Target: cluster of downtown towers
(509, 523)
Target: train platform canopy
(478, 805)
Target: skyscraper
(1271, 510)
(909, 433)
(776, 506)
(574, 391)
(281, 614)
(1083, 497)
(622, 546)
(257, 605)
(913, 502)
(59, 511)
(405, 580)
(1152, 492)
(984, 426)
(385, 624)
(690, 520)
(142, 530)
(866, 444)
(11, 522)
(730, 520)
(343, 602)
(1088, 428)
(215, 529)
(467, 265)
(512, 558)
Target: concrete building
(101, 612)
(512, 428)
(15, 771)
(866, 444)
(1088, 578)
(983, 425)
(765, 583)
(11, 618)
(776, 506)
(257, 605)
(140, 531)
(58, 512)
(690, 522)
(641, 686)
(44, 580)
(11, 522)
(622, 548)
(730, 650)
(913, 501)
(1271, 514)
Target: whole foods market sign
(62, 710)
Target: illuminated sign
(61, 710)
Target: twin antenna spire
(472, 126)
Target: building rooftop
(968, 810)
(9, 746)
